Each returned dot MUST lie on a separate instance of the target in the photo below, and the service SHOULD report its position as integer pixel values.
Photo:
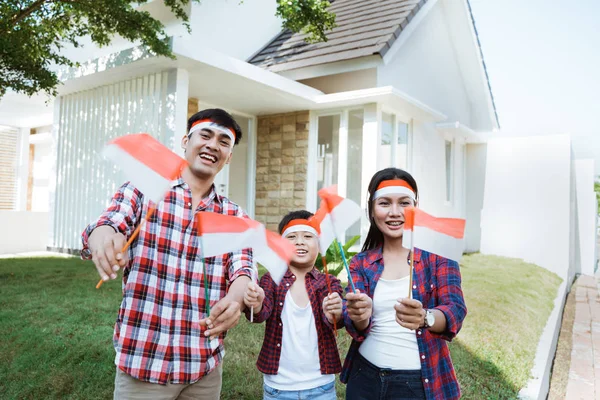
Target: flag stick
(206, 294)
(410, 270)
(252, 308)
(324, 261)
(346, 266)
(132, 238)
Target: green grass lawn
(57, 331)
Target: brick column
(281, 166)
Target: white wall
(28, 231)
(428, 166)
(232, 27)
(355, 80)
(587, 214)
(527, 211)
(475, 182)
(426, 68)
(84, 122)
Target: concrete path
(584, 375)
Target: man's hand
(360, 309)
(106, 245)
(254, 296)
(409, 313)
(223, 316)
(332, 307)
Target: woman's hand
(410, 313)
(360, 309)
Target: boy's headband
(394, 186)
(300, 225)
(208, 124)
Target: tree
(32, 32)
(597, 190)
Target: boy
(299, 356)
(165, 345)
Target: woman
(399, 348)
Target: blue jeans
(325, 392)
(366, 382)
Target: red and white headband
(208, 124)
(394, 186)
(300, 225)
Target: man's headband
(394, 186)
(208, 124)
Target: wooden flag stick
(411, 270)
(328, 289)
(132, 237)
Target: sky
(543, 62)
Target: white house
(399, 83)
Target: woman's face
(388, 214)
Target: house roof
(364, 28)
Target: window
(353, 186)
(401, 159)
(8, 167)
(327, 151)
(449, 171)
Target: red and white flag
(225, 233)
(441, 236)
(326, 233)
(146, 162)
(339, 213)
(275, 255)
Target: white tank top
(389, 345)
(299, 365)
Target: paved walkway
(584, 375)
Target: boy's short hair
(300, 214)
(218, 116)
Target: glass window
(353, 186)
(327, 151)
(449, 172)
(387, 134)
(402, 146)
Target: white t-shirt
(299, 365)
(389, 345)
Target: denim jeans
(368, 382)
(325, 392)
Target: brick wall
(281, 165)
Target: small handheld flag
(149, 165)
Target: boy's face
(307, 248)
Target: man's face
(207, 151)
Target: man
(166, 345)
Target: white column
(370, 146)
(343, 155)
(22, 169)
(311, 170)
(178, 90)
(52, 207)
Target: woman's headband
(394, 186)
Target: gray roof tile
(365, 27)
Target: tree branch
(26, 12)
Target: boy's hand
(254, 296)
(332, 307)
(360, 309)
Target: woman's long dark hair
(375, 237)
